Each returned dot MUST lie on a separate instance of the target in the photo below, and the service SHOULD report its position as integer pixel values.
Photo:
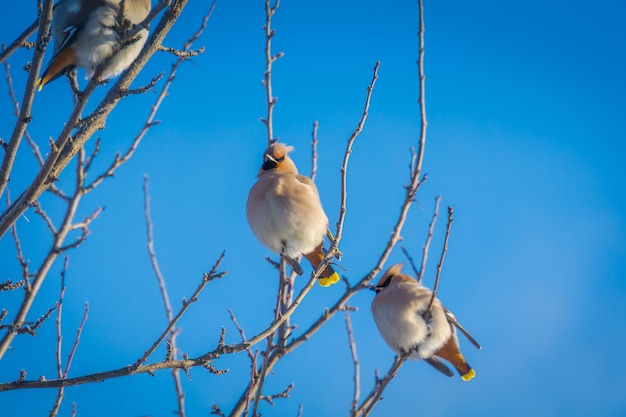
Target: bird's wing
(295, 265)
(452, 319)
(440, 366)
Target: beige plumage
(399, 309)
(285, 213)
(85, 34)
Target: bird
(285, 213)
(400, 309)
(85, 34)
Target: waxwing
(285, 212)
(400, 312)
(85, 34)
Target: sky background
(526, 139)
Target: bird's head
(276, 159)
(392, 275)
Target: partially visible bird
(85, 34)
(400, 312)
(285, 212)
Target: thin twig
(314, 151)
(24, 118)
(431, 228)
(206, 278)
(355, 360)
(372, 399)
(19, 42)
(440, 265)
(269, 60)
(64, 149)
(61, 392)
(180, 395)
(346, 158)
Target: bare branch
(59, 157)
(19, 42)
(29, 327)
(283, 394)
(242, 333)
(314, 151)
(182, 54)
(172, 349)
(355, 360)
(150, 120)
(344, 168)
(60, 372)
(215, 411)
(27, 101)
(20, 257)
(205, 280)
(376, 394)
(269, 60)
(440, 265)
(9, 285)
(45, 217)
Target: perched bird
(285, 213)
(85, 34)
(400, 312)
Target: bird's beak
(269, 163)
(374, 288)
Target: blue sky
(525, 139)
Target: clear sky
(526, 139)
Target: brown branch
(19, 42)
(29, 327)
(40, 211)
(283, 394)
(355, 360)
(182, 54)
(206, 278)
(62, 373)
(381, 383)
(344, 170)
(119, 160)
(65, 150)
(265, 367)
(180, 395)
(27, 101)
(216, 411)
(152, 254)
(242, 333)
(267, 76)
(137, 368)
(411, 190)
(20, 257)
(144, 88)
(314, 150)
(440, 265)
(9, 285)
(431, 228)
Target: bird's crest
(394, 273)
(275, 156)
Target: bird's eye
(386, 283)
(281, 159)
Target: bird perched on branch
(402, 315)
(285, 213)
(87, 32)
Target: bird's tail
(66, 58)
(328, 276)
(450, 352)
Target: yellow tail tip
(471, 374)
(39, 84)
(328, 281)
